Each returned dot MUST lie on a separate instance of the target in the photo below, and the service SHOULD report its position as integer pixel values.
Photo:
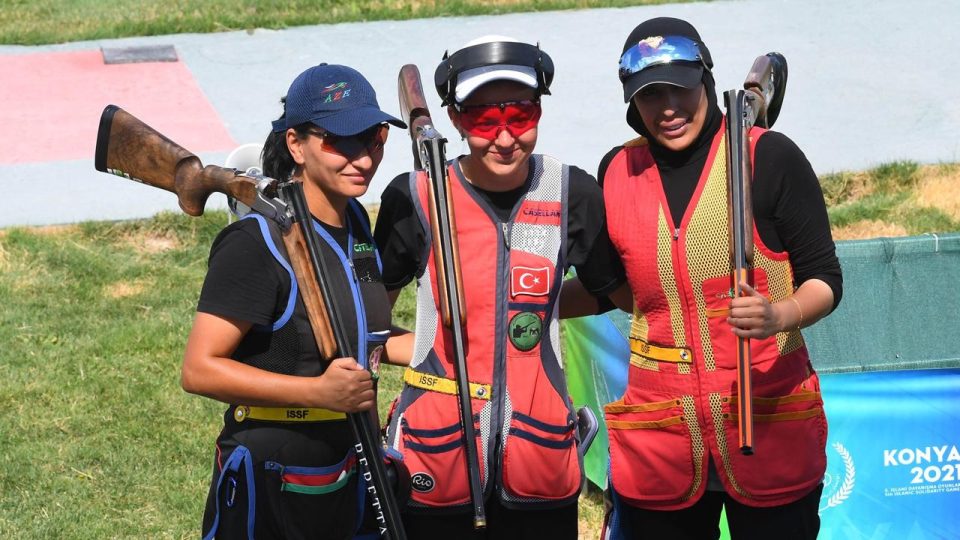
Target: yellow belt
(285, 414)
(443, 385)
(677, 355)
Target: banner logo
(529, 281)
(840, 486)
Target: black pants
(502, 524)
(799, 520)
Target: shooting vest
(524, 418)
(264, 453)
(290, 346)
(679, 410)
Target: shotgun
(130, 148)
(429, 155)
(758, 104)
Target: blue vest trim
(292, 300)
(239, 457)
(347, 262)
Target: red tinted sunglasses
(351, 146)
(486, 121)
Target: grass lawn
(56, 21)
(96, 437)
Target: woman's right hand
(345, 386)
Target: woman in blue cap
(284, 465)
(674, 462)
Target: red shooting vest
(523, 416)
(680, 408)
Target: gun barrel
(429, 155)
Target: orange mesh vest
(523, 416)
(679, 409)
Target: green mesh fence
(900, 307)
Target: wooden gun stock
(767, 79)
(313, 302)
(413, 107)
(130, 148)
(446, 313)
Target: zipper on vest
(353, 271)
(676, 234)
(506, 235)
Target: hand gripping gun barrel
(129, 148)
(758, 104)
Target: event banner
(893, 450)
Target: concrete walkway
(871, 81)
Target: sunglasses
(486, 121)
(658, 50)
(351, 146)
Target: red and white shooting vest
(524, 419)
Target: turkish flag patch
(529, 281)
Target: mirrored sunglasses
(486, 121)
(658, 50)
(351, 146)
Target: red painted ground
(50, 105)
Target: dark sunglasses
(486, 121)
(351, 146)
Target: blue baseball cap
(336, 98)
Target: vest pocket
(309, 499)
(433, 451)
(790, 434)
(535, 451)
(717, 293)
(651, 458)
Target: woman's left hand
(753, 316)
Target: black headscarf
(680, 170)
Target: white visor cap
(469, 80)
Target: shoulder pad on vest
(639, 141)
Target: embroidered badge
(422, 482)
(335, 92)
(529, 281)
(525, 330)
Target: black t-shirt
(788, 207)
(244, 281)
(401, 239)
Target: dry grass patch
(591, 514)
(844, 187)
(868, 229)
(54, 230)
(124, 289)
(151, 243)
(940, 188)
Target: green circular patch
(525, 330)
